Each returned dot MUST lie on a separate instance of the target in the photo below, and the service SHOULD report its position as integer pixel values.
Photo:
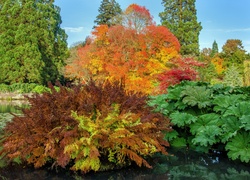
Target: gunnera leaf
(174, 92)
(181, 118)
(203, 121)
(223, 102)
(169, 136)
(180, 105)
(245, 122)
(206, 129)
(230, 127)
(159, 103)
(207, 136)
(156, 100)
(197, 96)
(238, 110)
(239, 147)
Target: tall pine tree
(108, 10)
(32, 44)
(180, 17)
(215, 49)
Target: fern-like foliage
(91, 127)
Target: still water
(180, 164)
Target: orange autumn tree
(123, 52)
(218, 64)
(75, 68)
(136, 17)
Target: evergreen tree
(180, 17)
(215, 49)
(108, 10)
(32, 44)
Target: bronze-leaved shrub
(89, 127)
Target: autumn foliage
(137, 17)
(121, 53)
(124, 52)
(183, 69)
(89, 127)
(218, 64)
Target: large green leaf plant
(207, 117)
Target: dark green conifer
(215, 49)
(180, 17)
(32, 44)
(108, 10)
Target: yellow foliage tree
(218, 64)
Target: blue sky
(221, 19)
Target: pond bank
(13, 96)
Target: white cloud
(238, 30)
(73, 29)
(229, 30)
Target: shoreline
(10, 96)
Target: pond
(180, 164)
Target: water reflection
(12, 106)
(178, 165)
